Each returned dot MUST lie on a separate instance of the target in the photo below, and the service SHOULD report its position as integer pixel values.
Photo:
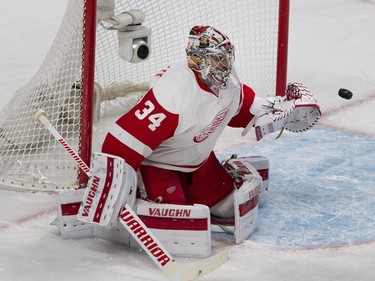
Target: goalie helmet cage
(83, 64)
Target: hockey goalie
(174, 181)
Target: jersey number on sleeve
(155, 118)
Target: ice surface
(319, 222)
(322, 192)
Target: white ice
(319, 223)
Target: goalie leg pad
(69, 202)
(246, 209)
(244, 204)
(245, 199)
(184, 230)
(253, 172)
(111, 185)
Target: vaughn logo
(163, 212)
(205, 133)
(90, 196)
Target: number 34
(147, 112)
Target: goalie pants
(208, 185)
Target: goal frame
(87, 87)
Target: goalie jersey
(177, 122)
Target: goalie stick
(41, 116)
(139, 231)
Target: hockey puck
(345, 94)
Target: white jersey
(177, 123)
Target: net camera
(134, 43)
(134, 39)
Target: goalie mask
(211, 54)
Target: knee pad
(241, 169)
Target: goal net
(83, 75)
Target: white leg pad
(111, 185)
(183, 230)
(246, 209)
(262, 165)
(67, 221)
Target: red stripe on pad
(106, 189)
(263, 174)
(70, 209)
(174, 223)
(248, 206)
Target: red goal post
(83, 71)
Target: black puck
(345, 94)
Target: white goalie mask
(210, 53)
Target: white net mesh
(31, 159)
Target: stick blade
(199, 269)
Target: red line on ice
(351, 104)
(27, 218)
